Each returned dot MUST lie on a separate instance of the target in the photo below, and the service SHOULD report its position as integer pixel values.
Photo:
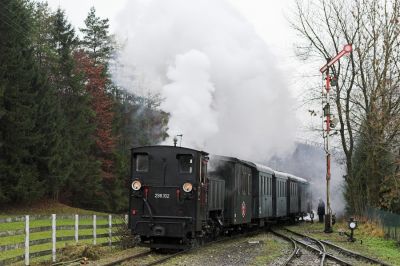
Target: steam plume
(217, 76)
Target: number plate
(161, 196)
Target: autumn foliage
(102, 105)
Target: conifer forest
(65, 127)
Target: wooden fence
(41, 238)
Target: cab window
(142, 162)
(185, 163)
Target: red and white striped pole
(328, 211)
(325, 69)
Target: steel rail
(161, 260)
(349, 253)
(295, 248)
(248, 234)
(128, 258)
(321, 250)
(354, 254)
(169, 257)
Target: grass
(48, 209)
(43, 208)
(370, 240)
(272, 250)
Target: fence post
(94, 229)
(76, 227)
(126, 218)
(109, 229)
(26, 239)
(53, 226)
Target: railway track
(136, 256)
(150, 258)
(311, 254)
(147, 258)
(295, 251)
(327, 253)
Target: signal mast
(347, 49)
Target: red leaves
(102, 105)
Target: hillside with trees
(65, 127)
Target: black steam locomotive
(180, 196)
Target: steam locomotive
(181, 197)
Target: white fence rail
(106, 225)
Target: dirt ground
(262, 249)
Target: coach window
(284, 188)
(243, 185)
(265, 185)
(270, 186)
(248, 184)
(279, 188)
(262, 185)
(185, 163)
(142, 162)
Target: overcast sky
(268, 17)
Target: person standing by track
(321, 210)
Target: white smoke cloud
(217, 76)
(189, 98)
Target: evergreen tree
(78, 142)
(51, 153)
(96, 40)
(42, 36)
(3, 196)
(20, 82)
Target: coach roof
(264, 169)
(299, 179)
(281, 175)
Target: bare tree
(367, 99)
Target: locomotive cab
(167, 195)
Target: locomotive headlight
(187, 187)
(136, 185)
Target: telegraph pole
(327, 113)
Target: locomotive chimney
(175, 141)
